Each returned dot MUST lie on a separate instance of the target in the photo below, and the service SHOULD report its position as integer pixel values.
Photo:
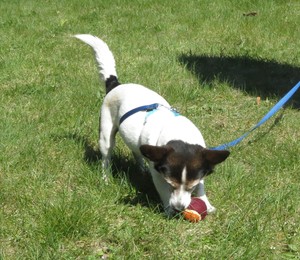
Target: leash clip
(174, 111)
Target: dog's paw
(211, 209)
(104, 178)
(169, 212)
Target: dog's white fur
(157, 129)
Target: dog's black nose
(178, 207)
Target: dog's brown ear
(155, 153)
(215, 156)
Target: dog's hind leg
(106, 142)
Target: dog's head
(182, 165)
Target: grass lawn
(211, 60)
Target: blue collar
(147, 108)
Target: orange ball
(196, 211)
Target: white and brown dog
(172, 144)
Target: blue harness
(148, 108)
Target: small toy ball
(196, 211)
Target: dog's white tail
(104, 58)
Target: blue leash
(274, 109)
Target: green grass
(211, 62)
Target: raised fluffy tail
(104, 58)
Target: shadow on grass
(256, 77)
(146, 194)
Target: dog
(172, 145)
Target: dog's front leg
(163, 189)
(200, 193)
(140, 161)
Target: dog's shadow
(121, 167)
(257, 77)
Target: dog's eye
(162, 169)
(171, 187)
